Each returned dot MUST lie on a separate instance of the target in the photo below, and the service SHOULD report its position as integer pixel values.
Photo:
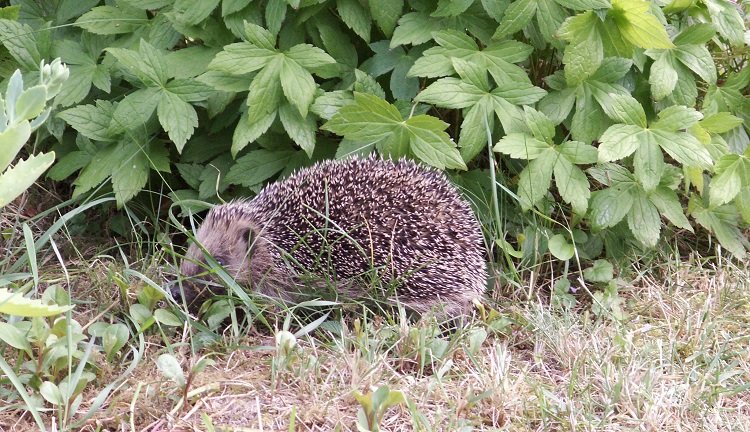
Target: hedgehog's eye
(220, 261)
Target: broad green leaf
(242, 58)
(135, 110)
(609, 206)
(12, 141)
(521, 146)
(447, 8)
(663, 76)
(534, 180)
(309, 57)
(20, 41)
(15, 180)
(578, 152)
(13, 336)
(414, 28)
(699, 60)
(51, 393)
(601, 271)
(620, 141)
(13, 303)
(720, 122)
(92, 121)
(298, 85)
(722, 222)
(154, 59)
(648, 162)
(386, 14)
(31, 102)
(258, 166)
(572, 184)
(473, 139)
(189, 90)
(110, 20)
(669, 206)
(68, 164)
(560, 248)
(612, 70)
(541, 127)
(585, 52)
(177, 117)
(171, 369)
(368, 119)
(676, 118)
(517, 15)
(557, 105)
(727, 19)
(622, 108)
(431, 144)
(265, 91)
(637, 25)
(191, 12)
(247, 132)
(300, 129)
(684, 148)
(697, 34)
(259, 36)
(550, 16)
(131, 174)
(356, 17)
(519, 93)
(643, 220)
(275, 13)
(732, 174)
(450, 93)
(328, 104)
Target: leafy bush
(638, 110)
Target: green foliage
(21, 112)
(373, 405)
(620, 119)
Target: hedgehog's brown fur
(342, 220)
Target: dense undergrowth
(598, 141)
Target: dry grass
(679, 362)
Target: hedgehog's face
(228, 241)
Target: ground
(679, 360)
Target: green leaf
(51, 393)
(638, 26)
(15, 180)
(247, 132)
(386, 14)
(13, 303)
(720, 122)
(521, 146)
(473, 138)
(21, 43)
(722, 222)
(191, 12)
(609, 206)
(684, 148)
(450, 93)
(414, 28)
(31, 102)
(732, 174)
(557, 105)
(170, 368)
(300, 129)
(265, 91)
(14, 336)
(620, 141)
(541, 127)
(622, 108)
(663, 76)
(516, 17)
(601, 271)
(258, 166)
(669, 206)
(259, 36)
(298, 85)
(431, 144)
(727, 20)
(648, 162)
(697, 34)
(68, 164)
(13, 139)
(91, 121)
(534, 180)
(369, 118)
(643, 220)
(676, 118)
(578, 152)
(328, 104)
(560, 248)
(698, 59)
(572, 184)
(110, 20)
(242, 58)
(356, 17)
(309, 57)
(177, 117)
(135, 110)
(275, 13)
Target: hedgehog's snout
(183, 292)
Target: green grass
(679, 359)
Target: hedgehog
(346, 223)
